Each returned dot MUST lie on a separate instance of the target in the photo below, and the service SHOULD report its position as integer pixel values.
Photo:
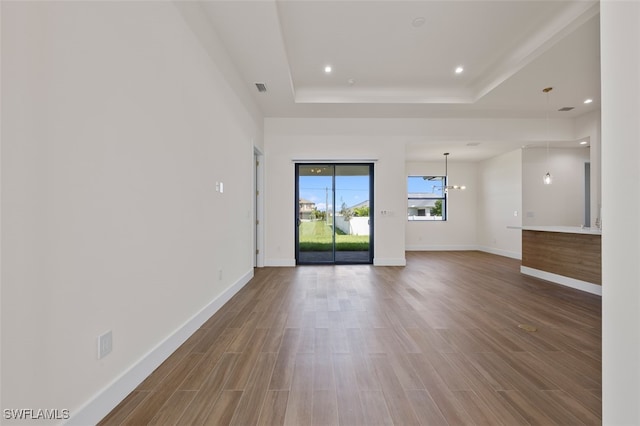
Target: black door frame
(333, 196)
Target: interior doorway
(332, 205)
(258, 257)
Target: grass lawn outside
(317, 236)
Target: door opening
(332, 207)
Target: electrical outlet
(105, 344)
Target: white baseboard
(106, 400)
(280, 262)
(505, 253)
(376, 262)
(401, 261)
(441, 248)
(562, 280)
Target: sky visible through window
(420, 185)
(351, 190)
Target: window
(426, 198)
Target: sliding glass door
(333, 224)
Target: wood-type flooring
(434, 343)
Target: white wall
(562, 202)
(332, 139)
(620, 58)
(499, 200)
(116, 124)
(385, 140)
(458, 232)
(588, 127)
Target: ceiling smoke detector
(418, 22)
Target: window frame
(443, 198)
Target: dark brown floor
(436, 342)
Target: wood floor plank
(198, 375)
(122, 411)
(551, 406)
(283, 370)
(173, 408)
(375, 408)
(356, 341)
(534, 414)
(300, 402)
(224, 408)
(397, 401)
(452, 377)
(339, 340)
(148, 408)
(349, 404)
(246, 361)
(198, 411)
(325, 408)
(435, 342)
(322, 372)
(245, 335)
(589, 415)
(404, 371)
(273, 340)
(165, 369)
(273, 408)
(248, 411)
(429, 340)
(451, 409)
(366, 377)
(503, 412)
(477, 409)
(519, 362)
(497, 373)
(427, 411)
(307, 344)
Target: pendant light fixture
(447, 187)
(547, 179)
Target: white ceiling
(510, 51)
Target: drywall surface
(116, 125)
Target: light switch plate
(105, 344)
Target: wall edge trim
(562, 280)
(399, 261)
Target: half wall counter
(566, 255)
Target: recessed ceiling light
(327, 69)
(418, 22)
(583, 142)
(588, 101)
(459, 70)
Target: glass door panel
(352, 220)
(314, 231)
(333, 224)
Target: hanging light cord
(546, 91)
(547, 176)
